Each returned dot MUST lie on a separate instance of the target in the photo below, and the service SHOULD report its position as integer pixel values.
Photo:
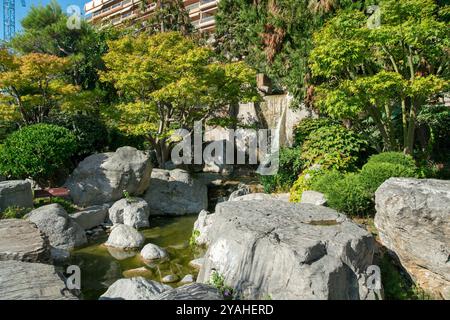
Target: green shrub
(119, 139)
(37, 151)
(217, 280)
(91, 133)
(66, 204)
(386, 165)
(305, 127)
(303, 183)
(335, 148)
(290, 166)
(14, 213)
(346, 193)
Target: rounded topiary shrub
(334, 148)
(386, 165)
(38, 151)
(346, 193)
(290, 166)
(91, 133)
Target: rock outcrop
(103, 177)
(288, 251)
(194, 291)
(56, 224)
(175, 192)
(31, 281)
(91, 217)
(132, 212)
(15, 193)
(137, 288)
(125, 237)
(201, 227)
(22, 241)
(413, 221)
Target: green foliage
(362, 71)
(170, 15)
(397, 285)
(37, 151)
(91, 133)
(345, 193)
(193, 238)
(386, 165)
(290, 166)
(217, 280)
(118, 138)
(66, 204)
(334, 147)
(14, 213)
(303, 183)
(307, 126)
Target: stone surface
(152, 252)
(125, 237)
(255, 196)
(15, 193)
(31, 281)
(22, 241)
(132, 212)
(137, 288)
(288, 251)
(103, 177)
(194, 291)
(242, 190)
(55, 223)
(170, 278)
(175, 192)
(197, 263)
(413, 220)
(201, 227)
(121, 254)
(90, 217)
(314, 197)
(189, 278)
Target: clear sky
(22, 11)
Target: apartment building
(117, 12)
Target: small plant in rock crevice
(193, 238)
(217, 280)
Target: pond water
(100, 266)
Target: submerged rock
(31, 281)
(103, 177)
(189, 278)
(125, 237)
(288, 251)
(413, 221)
(152, 252)
(175, 192)
(55, 223)
(197, 263)
(21, 240)
(134, 289)
(132, 212)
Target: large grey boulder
(91, 217)
(175, 192)
(132, 212)
(15, 193)
(125, 237)
(413, 221)
(56, 224)
(201, 227)
(103, 177)
(134, 289)
(31, 281)
(194, 291)
(22, 241)
(288, 251)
